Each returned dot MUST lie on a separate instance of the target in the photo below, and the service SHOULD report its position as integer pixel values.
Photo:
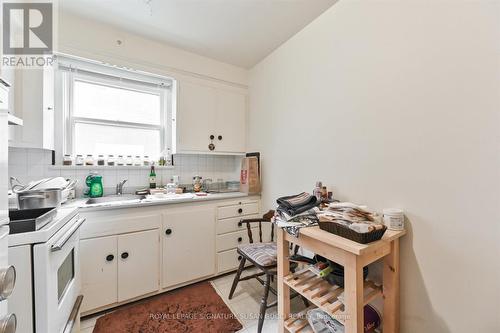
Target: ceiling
(238, 32)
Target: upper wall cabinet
(34, 103)
(210, 119)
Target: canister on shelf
(394, 218)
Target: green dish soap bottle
(94, 182)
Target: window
(110, 111)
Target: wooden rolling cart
(357, 292)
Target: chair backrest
(266, 218)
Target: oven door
(57, 278)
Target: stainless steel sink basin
(115, 198)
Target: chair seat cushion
(264, 254)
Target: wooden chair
(262, 255)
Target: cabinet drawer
(245, 208)
(228, 260)
(233, 239)
(232, 224)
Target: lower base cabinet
(188, 245)
(113, 268)
(138, 264)
(99, 270)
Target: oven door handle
(73, 317)
(59, 244)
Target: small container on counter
(100, 160)
(394, 219)
(120, 161)
(89, 160)
(137, 161)
(67, 160)
(111, 160)
(146, 161)
(79, 160)
(129, 161)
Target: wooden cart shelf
(298, 323)
(325, 296)
(356, 292)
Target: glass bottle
(146, 160)
(152, 177)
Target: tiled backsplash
(32, 164)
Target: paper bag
(249, 176)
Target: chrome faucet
(119, 187)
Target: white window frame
(109, 76)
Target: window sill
(107, 167)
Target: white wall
(397, 104)
(98, 41)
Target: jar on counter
(100, 160)
(79, 160)
(120, 161)
(89, 160)
(111, 160)
(197, 183)
(137, 161)
(67, 160)
(129, 161)
(146, 161)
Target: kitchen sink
(114, 198)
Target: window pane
(112, 103)
(101, 139)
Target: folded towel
(293, 224)
(296, 204)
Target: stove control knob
(7, 282)
(8, 324)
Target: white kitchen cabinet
(196, 116)
(188, 245)
(34, 104)
(99, 271)
(210, 114)
(230, 121)
(118, 268)
(138, 264)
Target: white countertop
(173, 199)
(64, 215)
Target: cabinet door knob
(49, 108)
(124, 255)
(240, 239)
(7, 281)
(219, 137)
(240, 223)
(211, 147)
(240, 210)
(212, 137)
(110, 257)
(168, 231)
(239, 258)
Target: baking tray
(26, 220)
